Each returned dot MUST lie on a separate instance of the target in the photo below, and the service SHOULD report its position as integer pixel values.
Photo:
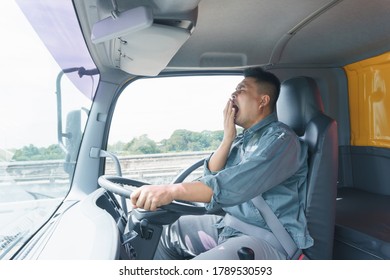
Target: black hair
(267, 79)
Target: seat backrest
(300, 106)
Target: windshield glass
(162, 126)
(36, 160)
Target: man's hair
(267, 81)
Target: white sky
(165, 105)
(27, 84)
(28, 100)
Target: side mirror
(73, 132)
(69, 141)
(72, 137)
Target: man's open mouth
(236, 109)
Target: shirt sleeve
(206, 170)
(269, 162)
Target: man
(267, 159)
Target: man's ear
(265, 99)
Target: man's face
(246, 101)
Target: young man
(267, 159)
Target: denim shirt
(267, 159)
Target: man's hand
(229, 126)
(218, 159)
(150, 197)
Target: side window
(42, 118)
(163, 125)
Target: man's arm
(274, 160)
(218, 159)
(150, 197)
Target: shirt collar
(264, 122)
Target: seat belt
(277, 228)
(253, 230)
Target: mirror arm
(81, 72)
(115, 11)
(59, 112)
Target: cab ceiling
(231, 33)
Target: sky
(27, 84)
(28, 100)
(160, 106)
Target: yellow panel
(369, 101)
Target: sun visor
(148, 52)
(121, 24)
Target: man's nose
(234, 95)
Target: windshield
(162, 126)
(42, 117)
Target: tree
(29, 152)
(142, 145)
(185, 140)
(52, 152)
(177, 142)
(117, 148)
(32, 152)
(181, 140)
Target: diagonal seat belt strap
(277, 228)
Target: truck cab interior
(332, 57)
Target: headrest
(299, 102)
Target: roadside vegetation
(180, 141)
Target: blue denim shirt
(267, 159)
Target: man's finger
(134, 196)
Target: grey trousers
(196, 237)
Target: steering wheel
(184, 174)
(116, 185)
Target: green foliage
(142, 145)
(184, 140)
(32, 152)
(180, 141)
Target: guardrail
(156, 168)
